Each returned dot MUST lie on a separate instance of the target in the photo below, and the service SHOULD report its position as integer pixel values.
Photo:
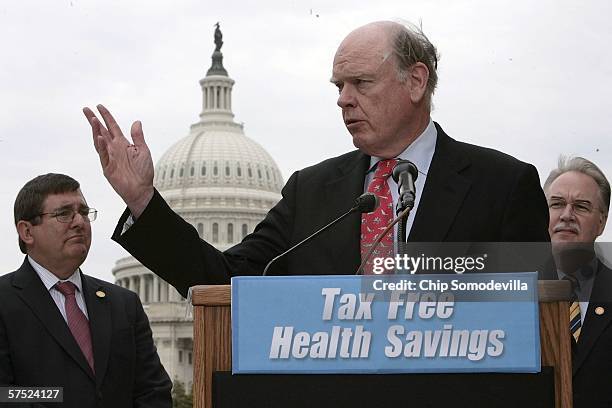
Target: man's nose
(346, 99)
(568, 213)
(78, 220)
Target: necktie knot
(385, 168)
(66, 288)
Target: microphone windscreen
(402, 166)
(367, 202)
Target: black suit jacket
(592, 356)
(38, 349)
(472, 194)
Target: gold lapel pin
(100, 294)
(599, 310)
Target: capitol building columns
(149, 287)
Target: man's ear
(24, 229)
(602, 223)
(418, 76)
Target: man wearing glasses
(61, 328)
(578, 197)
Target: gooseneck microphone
(365, 203)
(405, 174)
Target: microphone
(366, 202)
(405, 174)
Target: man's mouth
(568, 229)
(350, 122)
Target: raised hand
(128, 167)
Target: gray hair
(584, 166)
(410, 45)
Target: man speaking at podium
(385, 73)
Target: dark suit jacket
(37, 348)
(472, 194)
(592, 356)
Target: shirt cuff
(128, 224)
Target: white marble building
(221, 182)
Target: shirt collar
(49, 279)
(420, 152)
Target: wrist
(140, 202)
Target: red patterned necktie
(77, 322)
(373, 224)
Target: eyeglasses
(577, 207)
(66, 215)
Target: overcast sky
(530, 78)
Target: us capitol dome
(221, 182)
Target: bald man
(386, 75)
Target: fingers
(97, 130)
(100, 136)
(90, 118)
(102, 150)
(138, 135)
(88, 113)
(111, 124)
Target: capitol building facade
(221, 182)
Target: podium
(212, 338)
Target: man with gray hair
(578, 197)
(385, 73)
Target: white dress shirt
(49, 280)
(420, 152)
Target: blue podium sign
(386, 324)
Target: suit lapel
(443, 194)
(99, 322)
(340, 193)
(595, 324)
(37, 297)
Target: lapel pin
(599, 310)
(100, 294)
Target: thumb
(137, 134)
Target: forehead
(573, 185)
(362, 52)
(68, 199)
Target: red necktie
(77, 322)
(373, 224)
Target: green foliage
(180, 397)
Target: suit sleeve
(6, 369)
(152, 386)
(526, 216)
(171, 247)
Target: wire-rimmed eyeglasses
(578, 207)
(66, 215)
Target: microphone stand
(404, 206)
(351, 211)
(366, 202)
